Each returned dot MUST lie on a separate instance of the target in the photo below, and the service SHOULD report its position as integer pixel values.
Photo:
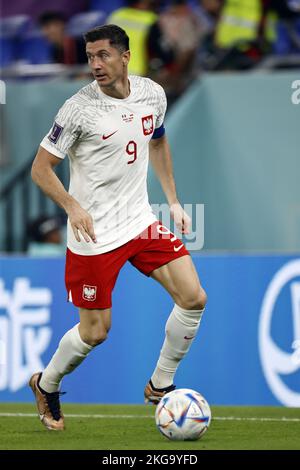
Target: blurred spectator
(45, 237)
(35, 8)
(209, 12)
(136, 19)
(65, 49)
(249, 30)
(173, 42)
(245, 32)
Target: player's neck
(119, 90)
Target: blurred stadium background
(230, 69)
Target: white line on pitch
(235, 418)
(99, 416)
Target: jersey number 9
(131, 149)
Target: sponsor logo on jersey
(147, 122)
(127, 117)
(89, 292)
(104, 137)
(55, 133)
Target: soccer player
(109, 129)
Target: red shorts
(90, 279)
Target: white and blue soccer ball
(183, 415)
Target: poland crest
(147, 122)
(89, 292)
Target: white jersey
(107, 142)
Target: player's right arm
(44, 176)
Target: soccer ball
(183, 415)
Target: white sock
(181, 328)
(70, 353)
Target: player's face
(107, 63)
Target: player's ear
(126, 57)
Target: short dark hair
(51, 16)
(116, 35)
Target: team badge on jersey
(55, 133)
(89, 292)
(147, 122)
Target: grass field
(130, 427)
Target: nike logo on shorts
(177, 248)
(189, 337)
(104, 137)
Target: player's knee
(193, 300)
(96, 336)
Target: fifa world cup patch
(55, 133)
(127, 117)
(89, 292)
(147, 122)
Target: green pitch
(132, 427)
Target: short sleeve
(65, 131)
(162, 107)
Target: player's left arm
(161, 160)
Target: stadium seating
(283, 44)
(11, 30)
(22, 41)
(82, 22)
(34, 48)
(14, 26)
(107, 6)
(7, 51)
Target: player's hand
(181, 218)
(82, 223)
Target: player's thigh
(180, 278)
(94, 323)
